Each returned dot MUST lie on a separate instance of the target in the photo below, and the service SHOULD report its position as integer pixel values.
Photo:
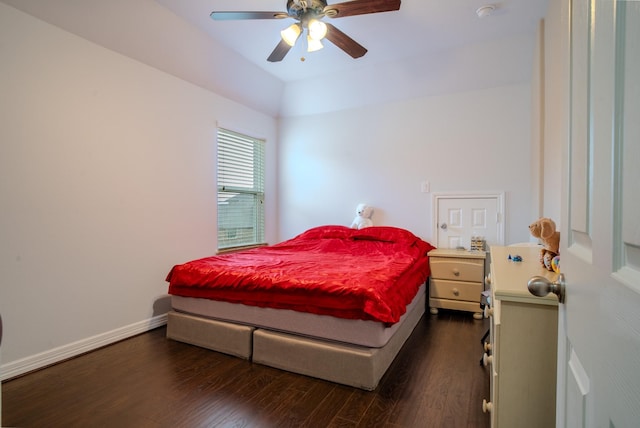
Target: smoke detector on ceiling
(485, 11)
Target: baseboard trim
(34, 362)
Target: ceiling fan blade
(344, 42)
(361, 7)
(279, 52)
(225, 16)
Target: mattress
(367, 333)
(368, 274)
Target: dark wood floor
(149, 381)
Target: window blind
(240, 190)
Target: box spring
(325, 358)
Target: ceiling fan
(309, 14)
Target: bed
(333, 302)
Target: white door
(459, 217)
(599, 325)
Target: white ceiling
(419, 28)
(425, 48)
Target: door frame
(497, 195)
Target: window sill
(242, 248)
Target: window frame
(240, 180)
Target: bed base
(352, 365)
(225, 337)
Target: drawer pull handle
(488, 312)
(487, 347)
(456, 272)
(456, 292)
(487, 359)
(487, 406)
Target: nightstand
(457, 280)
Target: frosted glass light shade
(317, 29)
(313, 45)
(291, 34)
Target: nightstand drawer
(457, 269)
(456, 290)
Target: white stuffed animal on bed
(363, 217)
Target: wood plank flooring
(149, 381)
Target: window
(240, 190)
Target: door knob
(443, 226)
(541, 286)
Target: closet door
(458, 217)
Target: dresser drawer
(457, 269)
(456, 290)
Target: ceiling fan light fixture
(309, 14)
(317, 29)
(313, 44)
(291, 34)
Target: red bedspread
(370, 274)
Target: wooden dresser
(521, 355)
(457, 280)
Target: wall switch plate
(425, 187)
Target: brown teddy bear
(545, 230)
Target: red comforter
(370, 274)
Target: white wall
(468, 141)
(106, 180)
(550, 124)
(537, 125)
(555, 105)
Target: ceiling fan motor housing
(306, 9)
